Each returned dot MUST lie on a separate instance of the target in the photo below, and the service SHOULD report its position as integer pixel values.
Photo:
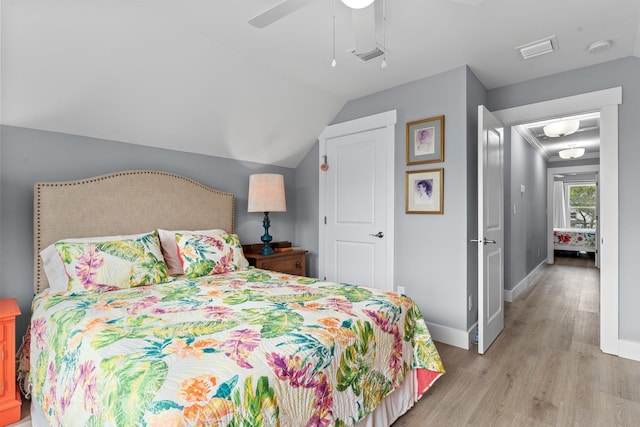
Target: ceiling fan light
(563, 128)
(357, 4)
(571, 153)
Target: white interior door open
(356, 205)
(490, 228)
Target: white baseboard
(450, 336)
(512, 294)
(629, 349)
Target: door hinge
(325, 220)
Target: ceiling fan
(364, 22)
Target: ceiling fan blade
(276, 12)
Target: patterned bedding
(246, 348)
(574, 239)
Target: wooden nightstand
(291, 262)
(9, 395)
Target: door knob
(484, 241)
(379, 235)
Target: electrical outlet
(401, 290)
(470, 302)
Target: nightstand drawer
(288, 265)
(290, 262)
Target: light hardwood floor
(545, 369)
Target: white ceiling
(195, 76)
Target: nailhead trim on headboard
(222, 201)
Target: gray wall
(430, 250)
(28, 156)
(624, 72)
(307, 205)
(526, 230)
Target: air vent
(537, 48)
(368, 56)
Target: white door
(490, 228)
(597, 219)
(356, 234)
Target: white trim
(511, 295)
(377, 121)
(386, 120)
(455, 337)
(607, 102)
(550, 172)
(576, 104)
(608, 246)
(629, 349)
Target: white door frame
(386, 120)
(550, 173)
(606, 101)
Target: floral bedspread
(247, 348)
(571, 239)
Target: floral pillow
(170, 249)
(203, 255)
(101, 266)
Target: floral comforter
(248, 348)
(572, 239)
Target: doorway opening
(606, 102)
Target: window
(582, 205)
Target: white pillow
(54, 267)
(170, 247)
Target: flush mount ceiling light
(562, 128)
(571, 153)
(357, 4)
(599, 46)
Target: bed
(575, 239)
(221, 343)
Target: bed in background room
(575, 239)
(118, 340)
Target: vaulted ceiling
(195, 76)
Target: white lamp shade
(571, 153)
(357, 4)
(266, 193)
(564, 128)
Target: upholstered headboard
(127, 202)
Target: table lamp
(266, 194)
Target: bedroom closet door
(356, 202)
(490, 228)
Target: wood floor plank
(544, 369)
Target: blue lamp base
(266, 238)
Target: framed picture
(425, 192)
(425, 141)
